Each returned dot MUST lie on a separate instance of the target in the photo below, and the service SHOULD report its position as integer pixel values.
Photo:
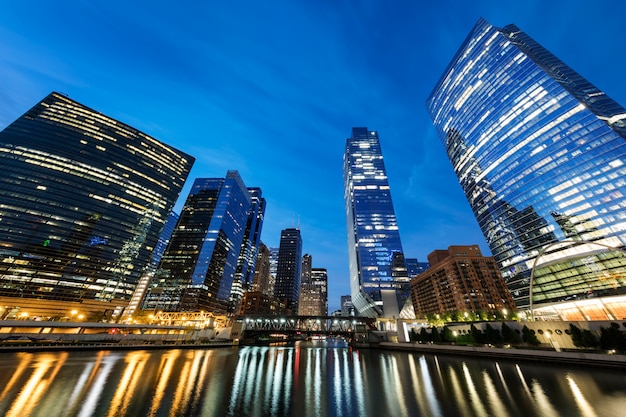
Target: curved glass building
(379, 281)
(540, 153)
(83, 200)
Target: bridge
(256, 329)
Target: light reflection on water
(311, 379)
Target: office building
(347, 308)
(461, 281)
(198, 267)
(288, 269)
(261, 282)
(84, 199)
(249, 247)
(378, 275)
(258, 303)
(539, 152)
(313, 289)
(414, 268)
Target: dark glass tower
(83, 200)
(288, 269)
(250, 245)
(378, 276)
(198, 267)
(539, 152)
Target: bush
(509, 336)
(529, 337)
(612, 338)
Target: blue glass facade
(198, 267)
(539, 152)
(378, 277)
(83, 200)
(250, 245)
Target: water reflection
(310, 379)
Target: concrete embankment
(570, 358)
(45, 347)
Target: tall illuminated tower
(197, 270)
(378, 277)
(84, 199)
(540, 153)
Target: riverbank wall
(570, 358)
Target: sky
(272, 89)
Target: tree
(612, 338)
(477, 335)
(447, 335)
(492, 335)
(576, 335)
(509, 336)
(424, 335)
(529, 336)
(434, 335)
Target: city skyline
(273, 95)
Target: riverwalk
(536, 355)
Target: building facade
(289, 269)
(84, 199)
(313, 289)
(540, 154)
(347, 308)
(460, 280)
(378, 277)
(262, 282)
(249, 247)
(197, 270)
(257, 303)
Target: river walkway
(537, 355)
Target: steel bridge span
(253, 329)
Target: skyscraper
(313, 289)
(262, 282)
(288, 269)
(539, 152)
(378, 276)
(198, 267)
(249, 246)
(84, 198)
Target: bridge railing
(302, 323)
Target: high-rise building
(540, 154)
(313, 289)
(261, 282)
(252, 239)
(347, 308)
(164, 238)
(461, 281)
(319, 283)
(273, 269)
(288, 269)
(414, 268)
(378, 275)
(84, 198)
(249, 247)
(198, 267)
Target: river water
(311, 379)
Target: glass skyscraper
(540, 154)
(250, 245)
(83, 200)
(378, 277)
(289, 269)
(198, 267)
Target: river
(321, 378)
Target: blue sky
(273, 88)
